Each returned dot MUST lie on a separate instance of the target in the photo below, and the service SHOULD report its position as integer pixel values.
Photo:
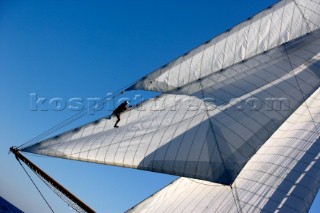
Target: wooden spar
(53, 182)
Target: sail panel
(284, 175)
(272, 27)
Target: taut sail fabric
(208, 129)
(283, 176)
(240, 110)
(209, 126)
(285, 21)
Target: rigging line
(74, 117)
(236, 199)
(66, 122)
(64, 198)
(35, 185)
(303, 97)
(205, 184)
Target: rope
(35, 185)
(237, 201)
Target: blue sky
(87, 49)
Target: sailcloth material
(224, 100)
(284, 175)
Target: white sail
(283, 176)
(285, 21)
(233, 112)
(208, 129)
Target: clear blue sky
(86, 49)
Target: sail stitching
(273, 187)
(185, 195)
(283, 167)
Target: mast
(50, 180)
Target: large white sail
(283, 176)
(240, 110)
(286, 20)
(208, 129)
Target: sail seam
(304, 16)
(303, 97)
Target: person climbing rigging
(120, 109)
